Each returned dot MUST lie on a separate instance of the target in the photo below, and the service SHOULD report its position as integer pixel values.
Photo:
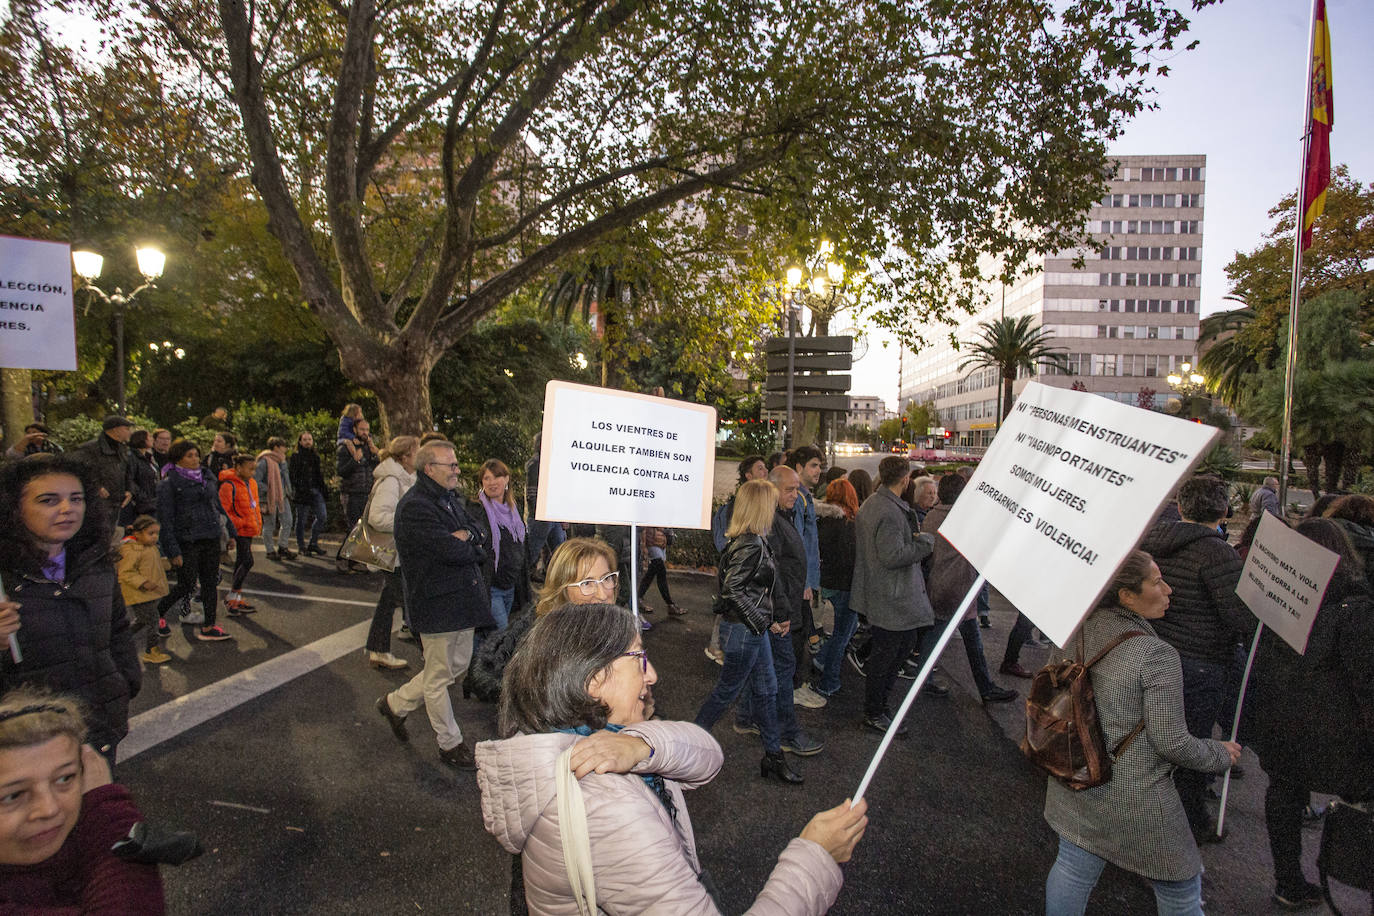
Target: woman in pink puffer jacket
(582, 680)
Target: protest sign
(37, 330)
(1065, 491)
(1283, 580)
(616, 457)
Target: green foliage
(890, 430)
(1012, 345)
(1241, 494)
(753, 439)
(255, 423)
(1221, 462)
(693, 547)
(922, 417)
(191, 429)
(496, 438)
(73, 431)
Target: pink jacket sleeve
(683, 752)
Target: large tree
(447, 154)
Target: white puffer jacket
(390, 482)
(643, 860)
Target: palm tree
(603, 286)
(1228, 360)
(1010, 345)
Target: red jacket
(240, 500)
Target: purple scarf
(500, 515)
(55, 567)
(196, 474)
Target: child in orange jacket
(143, 580)
(238, 493)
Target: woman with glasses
(578, 699)
(580, 571)
(745, 603)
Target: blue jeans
(501, 601)
(314, 506)
(1075, 874)
(831, 657)
(784, 667)
(748, 662)
(537, 533)
(1204, 690)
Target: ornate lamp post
(1189, 385)
(87, 265)
(818, 284)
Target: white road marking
(162, 723)
(224, 804)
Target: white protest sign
(616, 457)
(37, 330)
(1283, 580)
(1065, 491)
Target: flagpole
(1286, 450)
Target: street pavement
(307, 804)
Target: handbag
(366, 545)
(1347, 837)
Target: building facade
(1126, 319)
(867, 410)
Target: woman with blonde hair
(391, 479)
(745, 603)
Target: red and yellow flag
(1317, 167)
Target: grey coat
(1136, 821)
(888, 586)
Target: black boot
(775, 765)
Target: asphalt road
(307, 804)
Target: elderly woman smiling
(582, 680)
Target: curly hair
(19, 550)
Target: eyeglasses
(451, 465)
(589, 587)
(643, 657)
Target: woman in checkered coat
(1136, 820)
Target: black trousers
(199, 564)
(889, 649)
(657, 571)
(393, 596)
(243, 560)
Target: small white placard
(1066, 490)
(37, 330)
(615, 457)
(1283, 580)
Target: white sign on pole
(616, 457)
(1283, 580)
(37, 330)
(1065, 491)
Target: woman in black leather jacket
(745, 604)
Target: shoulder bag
(366, 545)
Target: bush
(693, 547)
(73, 431)
(1220, 462)
(255, 423)
(496, 438)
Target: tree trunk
(613, 333)
(398, 374)
(1350, 473)
(1007, 384)
(17, 409)
(1312, 461)
(1334, 457)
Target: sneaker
(854, 661)
(984, 623)
(1297, 896)
(239, 608)
(459, 757)
(162, 628)
(407, 634)
(271, 555)
(805, 697)
(397, 723)
(386, 660)
(1014, 669)
(312, 551)
(716, 655)
(155, 656)
(935, 686)
(193, 618)
(212, 634)
(881, 723)
(1000, 695)
(645, 625)
(804, 745)
(745, 728)
(286, 554)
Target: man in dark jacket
(308, 494)
(107, 455)
(357, 459)
(445, 594)
(1205, 619)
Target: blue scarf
(652, 780)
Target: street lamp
(820, 281)
(87, 265)
(1188, 384)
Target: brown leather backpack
(1063, 736)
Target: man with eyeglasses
(447, 597)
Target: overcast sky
(1238, 98)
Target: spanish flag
(1317, 166)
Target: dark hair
(773, 460)
(1350, 572)
(138, 439)
(1322, 503)
(301, 435)
(1357, 508)
(950, 486)
(36, 428)
(892, 469)
(1130, 576)
(231, 440)
(802, 455)
(178, 449)
(19, 552)
(545, 684)
(142, 523)
(832, 473)
(276, 442)
(863, 484)
(1247, 537)
(748, 462)
(244, 458)
(429, 437)
(1203, 499)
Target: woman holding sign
(1136, 820)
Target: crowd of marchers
(109, 545)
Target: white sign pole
(634, 570)
(1235, 725)
(927, 666)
